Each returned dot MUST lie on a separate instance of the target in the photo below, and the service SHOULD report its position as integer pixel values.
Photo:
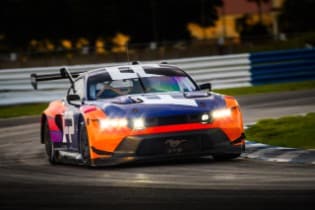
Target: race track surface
(27, 181)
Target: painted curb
(278, 154)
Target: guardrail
(222, 71)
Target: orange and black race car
(138, 112)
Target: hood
(162, 104)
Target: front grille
(180, 143)
(172, 120)
(170, 145)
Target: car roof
(136, 70)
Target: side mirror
(73, 98)
(206, 86)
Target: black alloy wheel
(84, 145)
(49, 145)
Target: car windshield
(104, 88)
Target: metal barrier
(282, 66)
(222, 71)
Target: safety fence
(225, 71)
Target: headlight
(113, 123)
(205, 118)
(138, 124)
(221, 113)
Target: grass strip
(293, 86)
(22, 110)
(292, 131)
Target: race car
(138, 112)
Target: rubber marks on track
(278, 154)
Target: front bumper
(172, 146)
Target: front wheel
(223, 157)
(49, 145)
(84, 145)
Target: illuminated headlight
(221, 113)
(205, 118)
(113, 123)
(138, 124)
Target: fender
(53, 116)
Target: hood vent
(127, 100)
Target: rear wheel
(49, 145)
(84, 145)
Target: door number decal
(68, 127)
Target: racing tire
(224, 157)
(49, 145)
(84, 145)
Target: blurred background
(66, 32)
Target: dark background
(47, 32)
(143, 20)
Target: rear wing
(64, 74)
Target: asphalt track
(27, 181)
